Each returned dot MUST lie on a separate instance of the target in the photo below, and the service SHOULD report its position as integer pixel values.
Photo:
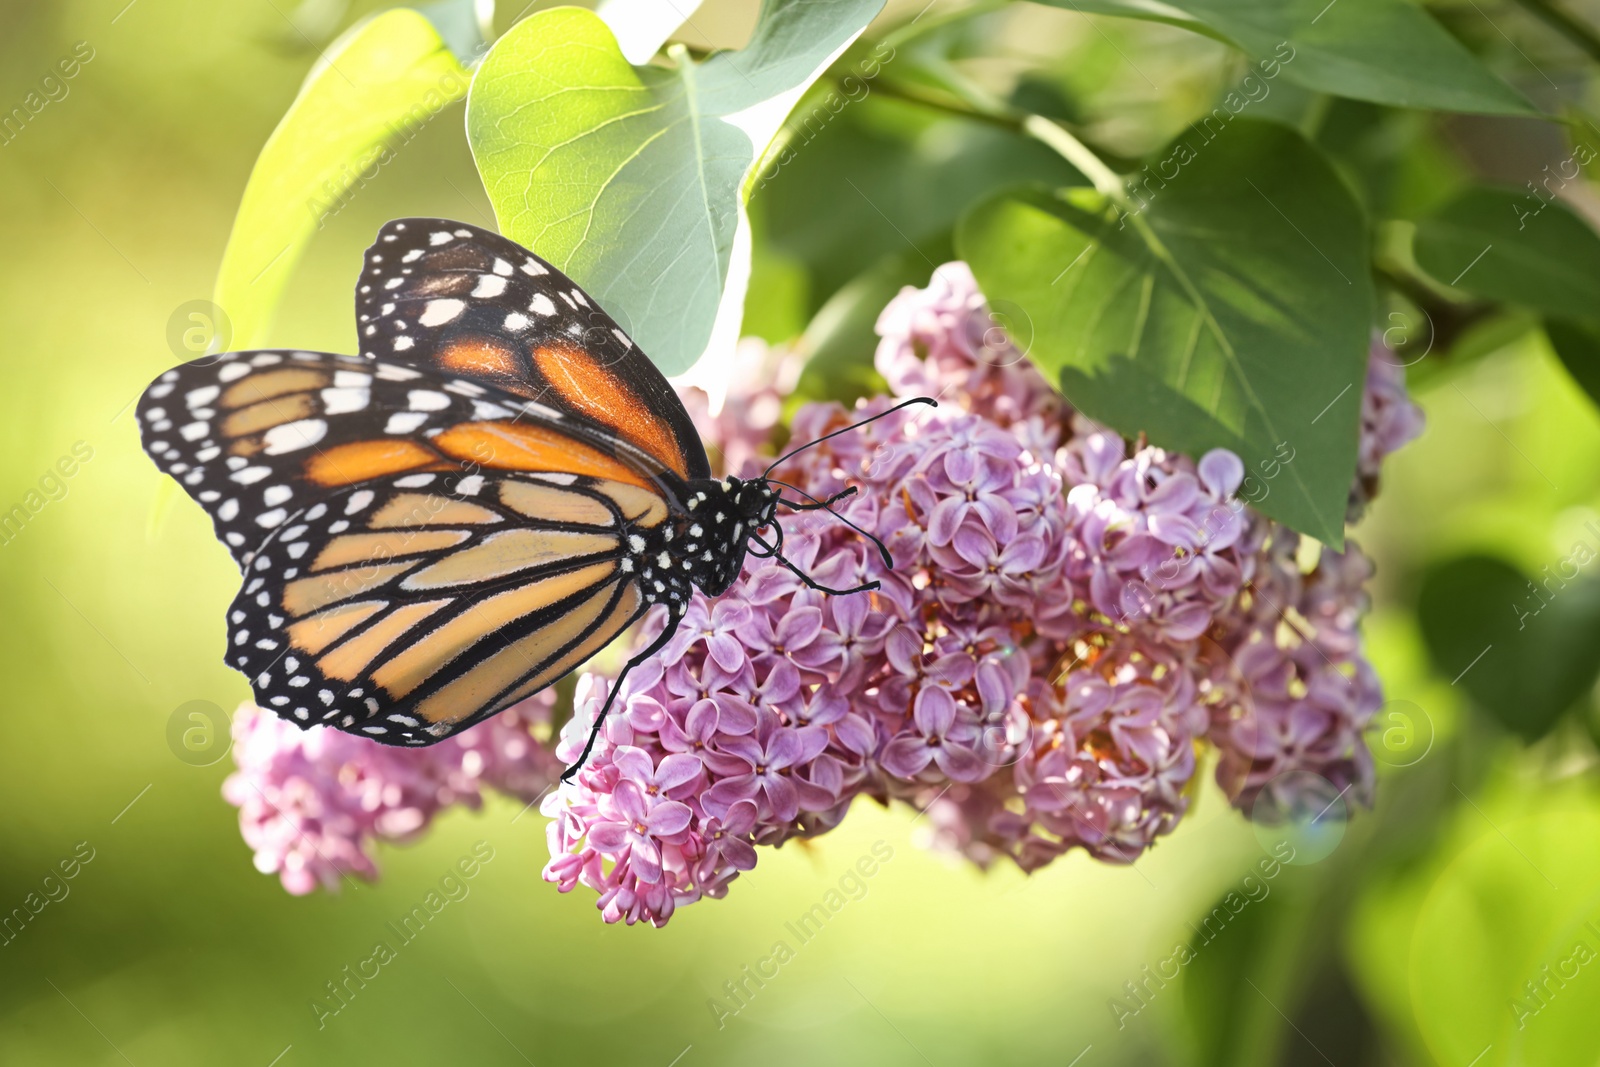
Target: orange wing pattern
(413, 607)
(446, 297)
(499, 485)
(256, 437)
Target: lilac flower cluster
(313, 803)
(1067, 619)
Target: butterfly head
(743, 513)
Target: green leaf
(1577, 344)
(378, 82)
(643, 26)
(888, 178)
(842, 339)
(1524, 651)
(1232, 312)
(1505, 947)
(1386, 51)
(631, 179)
(1516, 247)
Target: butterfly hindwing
(411, 607)
(454, 299)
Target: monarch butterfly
(499, 485)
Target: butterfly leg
(594, 731)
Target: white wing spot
(291, 436)
(339, 400)
(405, 421)
(427, 400)
(489, 285)
(542, 305)
(439, 312)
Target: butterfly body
(498, 486)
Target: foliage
(1016, 135)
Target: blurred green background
(1409, 942)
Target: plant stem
(1079, 155)
(1041, 129)
(951, 107)
(1574, 31)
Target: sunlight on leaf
(1231, 312)
(632, 179)
(382, 79)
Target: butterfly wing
(412, 607)
(256, 436)
(448, 523)
(419, 551)
(450, 298)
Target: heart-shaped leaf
(631, 179)
(1387, 51)
(379, 81)
(1231, 312)
(1526, 651)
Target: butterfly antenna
(819, 504)
(856, 426)
(883, 550)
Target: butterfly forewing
(257, 436)
(412, 607)
(454, 299)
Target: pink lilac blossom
(776, 704)
(1066, 620)
(312, 803)
(762, 376)
(1292, 692)
(1389, 421)
(1159, 540)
